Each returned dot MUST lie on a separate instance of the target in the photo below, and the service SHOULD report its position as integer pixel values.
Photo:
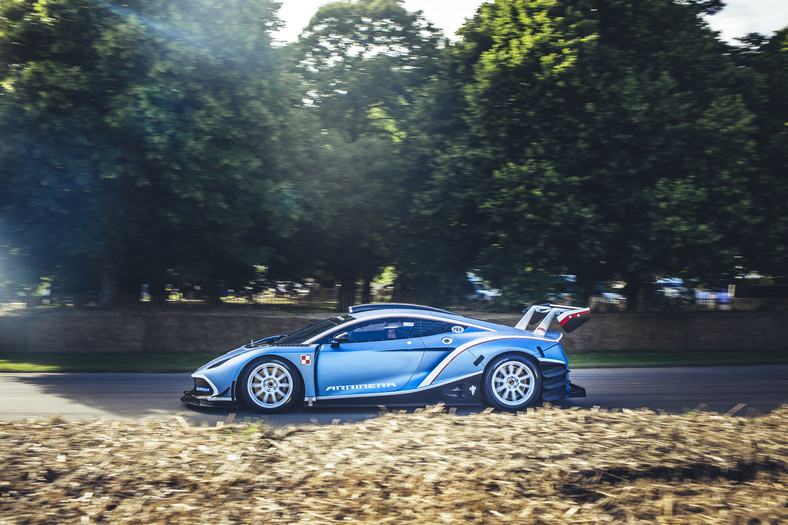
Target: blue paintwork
(386, 366)
(419, 363)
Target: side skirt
(457, 393)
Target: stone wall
(682, 331)
(66, 330)
(129, 332)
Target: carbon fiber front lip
(190, 400)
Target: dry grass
(544, 466)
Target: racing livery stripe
(568, 316)
(460, 349)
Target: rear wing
(569, 317)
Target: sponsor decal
(202, 389)
(446, 340)
(306, 359)
(473, 390)
(457, 329)
(339, 388)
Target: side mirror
(339, 339)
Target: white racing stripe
(460, 349)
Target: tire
(270, 385)
(512, 382)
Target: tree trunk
(108, 294)
(583, 290)
(347, 293)
(632, 292)
(366, 292)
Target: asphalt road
(112, 396)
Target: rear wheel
(270, 385)
(512, 382)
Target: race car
(397, 354)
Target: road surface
(134, 396)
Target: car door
(439, 341)
(377, 356)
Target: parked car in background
(605, 300)
(481, 292)
(671, 287)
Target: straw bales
(430, 466)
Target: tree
(155, 129)
(344, 213)
(56, 162)
(445, 223)
(616, 140)
(767, 234)
(362, 64)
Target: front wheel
(512, 382)
(270, 385)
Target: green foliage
(55, 159)
(362, 63)
(144, 136)
(618, 143)
(767, 62)
(149, 140)
(343, 208)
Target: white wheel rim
(270, 385)
(513, 383)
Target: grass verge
(81, 362)
(620, 359)
(170, 362)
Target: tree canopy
(362, 65)
(142, 136)
(605, 140)
(149, 140)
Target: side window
(427, 328)
(381, 330)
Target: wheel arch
(511, 352)
(508, 352)
(237, 381)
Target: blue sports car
(397, 354)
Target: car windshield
(304, 334)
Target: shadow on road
(746, 391)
